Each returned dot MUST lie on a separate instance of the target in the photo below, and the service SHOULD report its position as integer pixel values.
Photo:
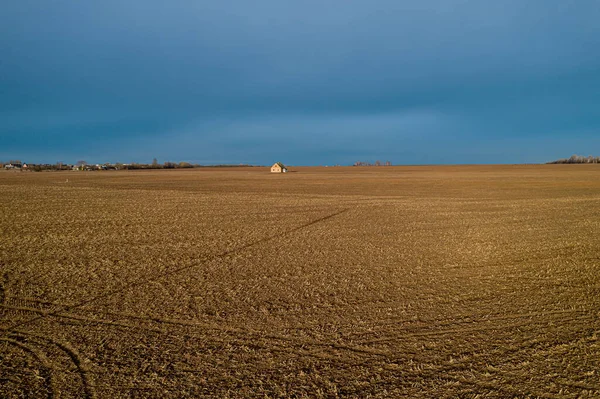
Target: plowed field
(417, 282)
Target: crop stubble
(472, 281)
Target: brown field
(417, 282)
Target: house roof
(279, 164)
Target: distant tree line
(175, 165)
(578, 159)
(377, 163)
(85, 166)
(156, 165)
(38, 167)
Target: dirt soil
(374, 282)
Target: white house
(278, 167)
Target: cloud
(236, 74)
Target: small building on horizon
(13, 165)
(278, 167)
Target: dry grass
(422, 282)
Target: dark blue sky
(303, 82)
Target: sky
(311, 82)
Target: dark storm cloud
(316, 81)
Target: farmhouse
(13, 165)
(278, 167)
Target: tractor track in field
(50, 308)
(436, 327)
(41, 359)
(241, 336)
(159, 276)
(474, 325)
(304, 347)
(32, 343)
(65, 360)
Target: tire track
(150, 279)
(302, 347)
(42, 360)
(3, 286)
(428, 323)
(78, 361)
(285, 342)
(437, 333)
(467, 320)
(322, 351)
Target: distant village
(84, 166)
